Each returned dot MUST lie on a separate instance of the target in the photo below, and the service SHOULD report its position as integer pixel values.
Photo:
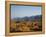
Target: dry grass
(24, 26)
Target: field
(26, 24)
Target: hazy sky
(22, 11)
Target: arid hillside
(26, 24)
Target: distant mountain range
(31, 18)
